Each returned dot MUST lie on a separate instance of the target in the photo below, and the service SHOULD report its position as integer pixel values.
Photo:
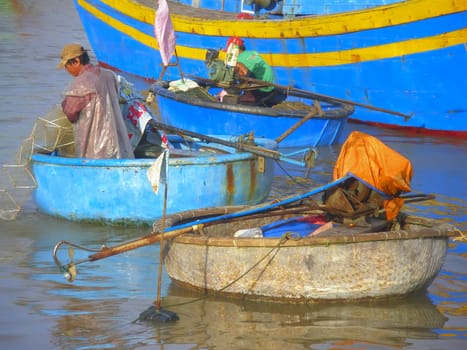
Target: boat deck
(192, 12)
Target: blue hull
(118, 190)
(208, 117)
(408, 56)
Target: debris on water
(154, 314)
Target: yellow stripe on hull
(311, 26)
(315, 26)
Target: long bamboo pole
(260, 151)
(311, 95)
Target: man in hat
(91, 103)
(251, 64)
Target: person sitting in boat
(91, 103)
(250, 64)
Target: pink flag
(164, 32)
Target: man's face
(73, 67)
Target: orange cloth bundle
(383, 168)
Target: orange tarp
(375, 163)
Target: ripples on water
(40, 309)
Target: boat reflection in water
(389, 322)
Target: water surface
(41, 310)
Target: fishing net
(52, 132)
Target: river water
(41, 310)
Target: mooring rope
(461, 238)
(285, 237)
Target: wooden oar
(261, 151)
(149, 239)
(155, 237)
(106, 252)
(295, 126)
(175, 231)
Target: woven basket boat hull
(345, 263)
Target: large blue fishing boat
(404, 55)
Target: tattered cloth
(380, 166)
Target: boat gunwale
(426, 228)
(338, 111)
(443, 231)
(220, 158)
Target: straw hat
(70, 51)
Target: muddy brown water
(41, 310)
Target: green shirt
(258, 67)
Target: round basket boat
(381, 260)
